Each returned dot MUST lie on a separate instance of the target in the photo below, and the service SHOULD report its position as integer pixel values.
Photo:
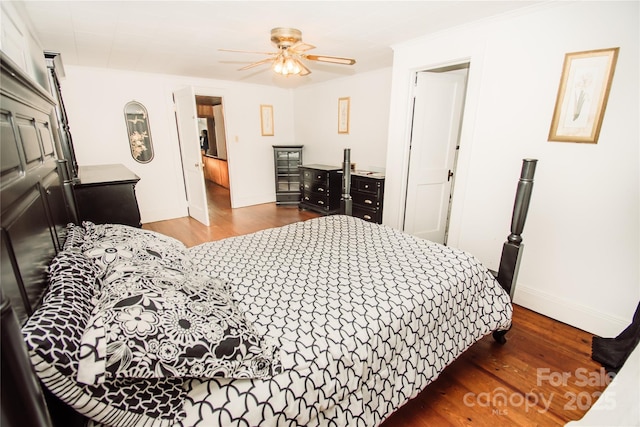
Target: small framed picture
(266, 120)
(582, 95)
(343, 115)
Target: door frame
(449, 67)
(222, 94)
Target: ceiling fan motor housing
(285, 37)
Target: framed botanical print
(582, 95)
(343, 114)
(266, 120)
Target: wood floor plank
(544, 372)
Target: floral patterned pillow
(109, 244)
(52, 335)
(157, 321)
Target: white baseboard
(256, 199)
(163, 214)
(567, 311)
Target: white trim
(566, 311)
(252, 199)
(153, 215)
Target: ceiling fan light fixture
(278, 64)
(287, 64)
(287, 60)
(292, 66)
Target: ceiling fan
(291, 51)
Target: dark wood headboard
(36, 203)
(35, 206)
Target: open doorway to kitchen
(213, 144)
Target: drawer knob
(366, 186)
(367, 217)
(368, 202)
(320, 202)
(320, 189)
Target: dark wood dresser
(321, 187)
(367, 195)
(106, 194)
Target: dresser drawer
(365, 185)
(371, 215)
(315, 175)
(315, 187)
(365, 199)
(315, 199)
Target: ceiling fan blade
(331, 59)
(302, 47)
(248, 51)
(255, 64)
(304, 71)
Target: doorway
(198, 164)
(438, 106)
(211, 125)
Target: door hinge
(449, 175)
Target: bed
(330, 322)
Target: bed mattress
(365, 316)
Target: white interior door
(438, 105)
(187, 120)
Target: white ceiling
(183, 37)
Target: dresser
(287, 160)
(367, 195)
(321, 188)
(106, 194)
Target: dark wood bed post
(67, 187)
(346, 183)
(512, 248)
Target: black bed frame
(37, 201)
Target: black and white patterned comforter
(365, 316)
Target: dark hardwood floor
(542, 376)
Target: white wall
(18, 42)
(95, 98)
(316, 120)
(581, 255)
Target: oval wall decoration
(137, 121)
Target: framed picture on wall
(266, 120)
(582, 95)
(343, 114)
